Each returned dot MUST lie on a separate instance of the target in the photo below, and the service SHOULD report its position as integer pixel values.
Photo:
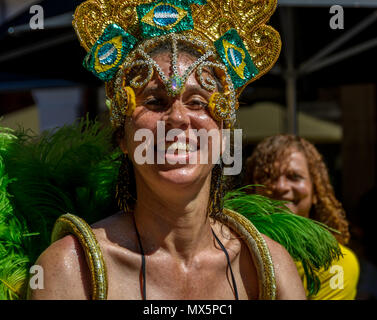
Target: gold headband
(235, 31)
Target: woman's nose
(177, 116)
(281, 185)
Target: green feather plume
(13, 267)
(13, 277)
(73, 169)
(306, 240)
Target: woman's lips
(179, 147)
(179, 151)
(179, 158)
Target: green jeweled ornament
(175, 85)
(163, 17)
(109, 52)
(236, 58)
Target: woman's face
(184, 112)
(294, 183)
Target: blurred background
(322, 88)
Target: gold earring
(219, 106)
(126, 101)
(131, 101)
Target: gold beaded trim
(71, 224)
(258, 249)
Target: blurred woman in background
(291, 169)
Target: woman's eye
(295, 176)
(197, 104)
(153, 102)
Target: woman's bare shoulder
(288, 282)
(115, 231)
(277, 251)
(65, 272)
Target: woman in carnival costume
(178, 235)
(291, 169)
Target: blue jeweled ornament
(235, 57)
(107, 54)
(165, 15)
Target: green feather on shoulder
(70, 169)
(306, 240)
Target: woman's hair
(261, 169)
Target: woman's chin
(180, 175)
(298, 210)
(292, 207)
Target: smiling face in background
(294, 183)
(185, 111)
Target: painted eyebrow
(197, 88)
(152, 89)
(188, 89)
(296, 171)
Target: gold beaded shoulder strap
(259, 251)
(70, 224)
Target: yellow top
(339, 282)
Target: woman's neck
(177, 224)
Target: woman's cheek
(304, 192)
(304, 189)
(203, 119)
(144, 118)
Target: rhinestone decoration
(175, 85)
(219, 107)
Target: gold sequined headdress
(231, 35)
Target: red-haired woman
(291, 169)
